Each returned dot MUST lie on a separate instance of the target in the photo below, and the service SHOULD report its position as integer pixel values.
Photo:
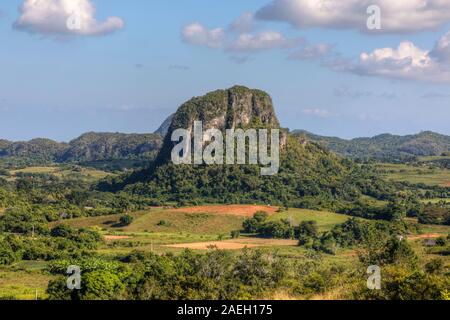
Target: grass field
(433, 158)
(45, 170)
(24, 281)
(87, 174)
(436, 200)
(325, 220)
(165, 221)
(412, 174)
(190, 221)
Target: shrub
(235, 234)
(254, 224)
(277, 229)
(126, 220)
(164, 223)
(308, 228)
(441, 241)
(62, 231)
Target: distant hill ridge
(385, 146)
(90, 146)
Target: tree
(395, 210)
(62, 231)
(254, 224)
(277, 229)
(308, 228)
(397, 252)
(101, 285)
(7, 255)
(126, 220)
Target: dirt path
(236, 210)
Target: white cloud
(218, 38)
(397, 16)
(265, 40)
(316, 51)
(244, 24)
(315, 112)
(405, 62)
(50, 17)
(441, 50)
(197, 34)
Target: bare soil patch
(235, 210)
(425, 236)
(235, 244)
(265, 242)
(212, 244)
(112, 238)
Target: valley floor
(163, 230)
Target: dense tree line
(48, 244)
(250, 274)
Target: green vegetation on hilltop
(88, 148)
(385, 147)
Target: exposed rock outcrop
(237, 107)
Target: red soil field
(235, 210)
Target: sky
(73, 66)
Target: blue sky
(130, 75)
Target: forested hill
(103, 146)
(38, 149)
(309, 175)
(88, 147)
(385, 147)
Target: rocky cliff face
(237, 107)
(164, 127)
